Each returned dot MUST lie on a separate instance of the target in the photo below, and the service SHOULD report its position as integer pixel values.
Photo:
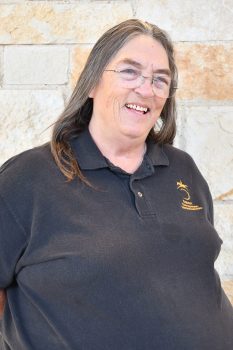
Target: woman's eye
(160, 81)
(130, 72)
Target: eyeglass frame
(143, 80)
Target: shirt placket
(139, 189)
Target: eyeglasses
(133, 78)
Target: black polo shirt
(127, 264)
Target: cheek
(160, 105)
(157, 111)
(117, 106)
(114, 103)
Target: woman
(107, 238)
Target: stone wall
(43, 45)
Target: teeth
(138, 108)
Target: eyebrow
(140, 66)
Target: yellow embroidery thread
(186, 202)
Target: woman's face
(121, 112)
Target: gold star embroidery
(186, 204)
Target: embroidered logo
(186, 203)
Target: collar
(89, 156)
(156, 154)
(87, 153)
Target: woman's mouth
(138, 108)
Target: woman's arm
(2, 301)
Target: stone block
(25, 118)
(207, 134)
(224, 226)
(189, 21)
(11, 1)
(1, 65)
(79, 56)
(228, 288)
(42, 65)
(205, 71)
(58, 22)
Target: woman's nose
(145, 88)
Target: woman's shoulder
(183, 162)
(26, 160)
(175, 154)
(26, 168)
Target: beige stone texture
(205, 71)
(1, 65)
(207, 134)
(42, 65)
(58, 22)
(187, 20)
(79, 56)
(224, 226)
(24, 119)
(13, 1)
(228, 288)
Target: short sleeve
(12, 244)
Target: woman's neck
(127, 154)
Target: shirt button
(140, 194)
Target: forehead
(145, 50)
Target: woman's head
(131, 93)
(78, 112)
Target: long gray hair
(77, 114)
